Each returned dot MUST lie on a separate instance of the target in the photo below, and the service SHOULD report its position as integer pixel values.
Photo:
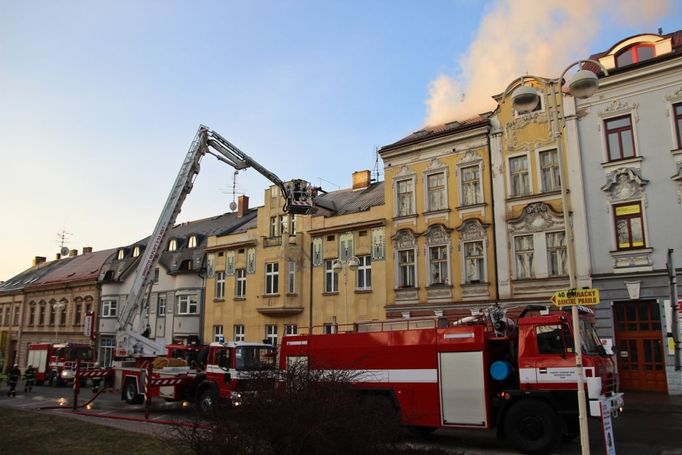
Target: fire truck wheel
(130, 392)
(207, 401)
(532, 426)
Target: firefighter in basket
(97, 381)
(12, 379)
(29, 378)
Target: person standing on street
(29, 378)
(12, 379)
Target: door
(462, 388)
(639, 346)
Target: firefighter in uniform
(96, 382)
(12, 379)
(29, 378)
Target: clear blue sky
(99, 101)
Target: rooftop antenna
(338, 187)
(62, 238)
(376, 164)
(233, 204)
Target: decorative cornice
(536, 217)
(624, 183)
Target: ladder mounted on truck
(298, 196)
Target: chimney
(361, 179)
(73, 253)
(39, 260)
(242, 206)
(58, 257)
(87, 249)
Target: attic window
(136, 251)
(362, 234)
(186, 265)
(635, 54)
(420, 133)
(121, 254)
(192, 242)
(173, 245)
(330, 238)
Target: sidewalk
(652, 402)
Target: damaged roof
(343, 202)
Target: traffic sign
(584, 297)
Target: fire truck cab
(519, 378)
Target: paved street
(651, 424)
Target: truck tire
(130, 392)
(208, 400)
(532, 426)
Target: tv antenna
(62, 239)
(233, 204)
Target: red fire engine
(198, 374)
(478, 372)
(56, 363)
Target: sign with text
(607, 427)
(584, 297)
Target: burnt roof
(80, 268)
(343, 202)
(429, 132)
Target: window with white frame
(192, 242)
(272, 278)
(121, 254)
(109, 307)
(161, 305)
(438, 265)
(474, 262)
(405, 193)
(406, 267)
(239, 333)
(523, 251)
(136, 251)
(290, 329)
(556, 253)
(549, 171)
(471, 185)
(436, 191)
(218, 335)
(364, 273)
(292, 224)
(220, 285)
(271, 334)
(331, 278)
(677, 115)
(273, 226)
(282, 225)
(173, 245)
(291, 281)
(188, 304)
(519, 175)
(240, 283)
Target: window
(161, 305)
(331, 278)
(471, 185)
(273, 226)
(238, 332)
(438, 257)
(520, 179)
(16, 316)
(406, 268)
(136, 251)
(556, 253)
(328, 328)
(549, 171)
(188, 304)
(292, 224)
(435, 189)
(271, 334)
(121, 255)
(5, 319)
(282, 225)
(62, 316)
(156, 275)
(523, 247)
(272, 278)
(173, 245)
(218, 336)
(192, 242)
(291, 282)
(677, 112)
(240, 287)
(220, 285)
(109, 307)
(629, 226)
(32, 315)
(186, 265)
(41, 315)
(364, 273)
(553, 339)
(405, 197)
(619, 139)
(635, 54)
(474, 262)
(53, 314)
(290, 329)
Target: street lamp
(351, 263)
(582, 85)
(58, 307)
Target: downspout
(492, 204)
(310, 290)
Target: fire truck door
(462, 388)
(37, 359)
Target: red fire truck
(478, 372)
(56, 363)
(202, 375)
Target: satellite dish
(233, 206)
(64, 251)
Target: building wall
(10, 324)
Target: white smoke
(528, 37)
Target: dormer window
(136, 251)
(173, 245)
(192, 242)
(121, 254)
(635, 54)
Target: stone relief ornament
(435, 164)
(620, 107)
(378, 244)
(438, 235)
(469, 156)
(513, 128)
(229, 263)
(251, 261)
(624, 183)
(472, 229)
(536, 217)
(404, 239)
(317, 251)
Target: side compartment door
(462, 388)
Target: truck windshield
(590, 340)
(79, 353)
(254, 358)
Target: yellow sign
(585, 297)
(627, 210)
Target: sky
(99, 101)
